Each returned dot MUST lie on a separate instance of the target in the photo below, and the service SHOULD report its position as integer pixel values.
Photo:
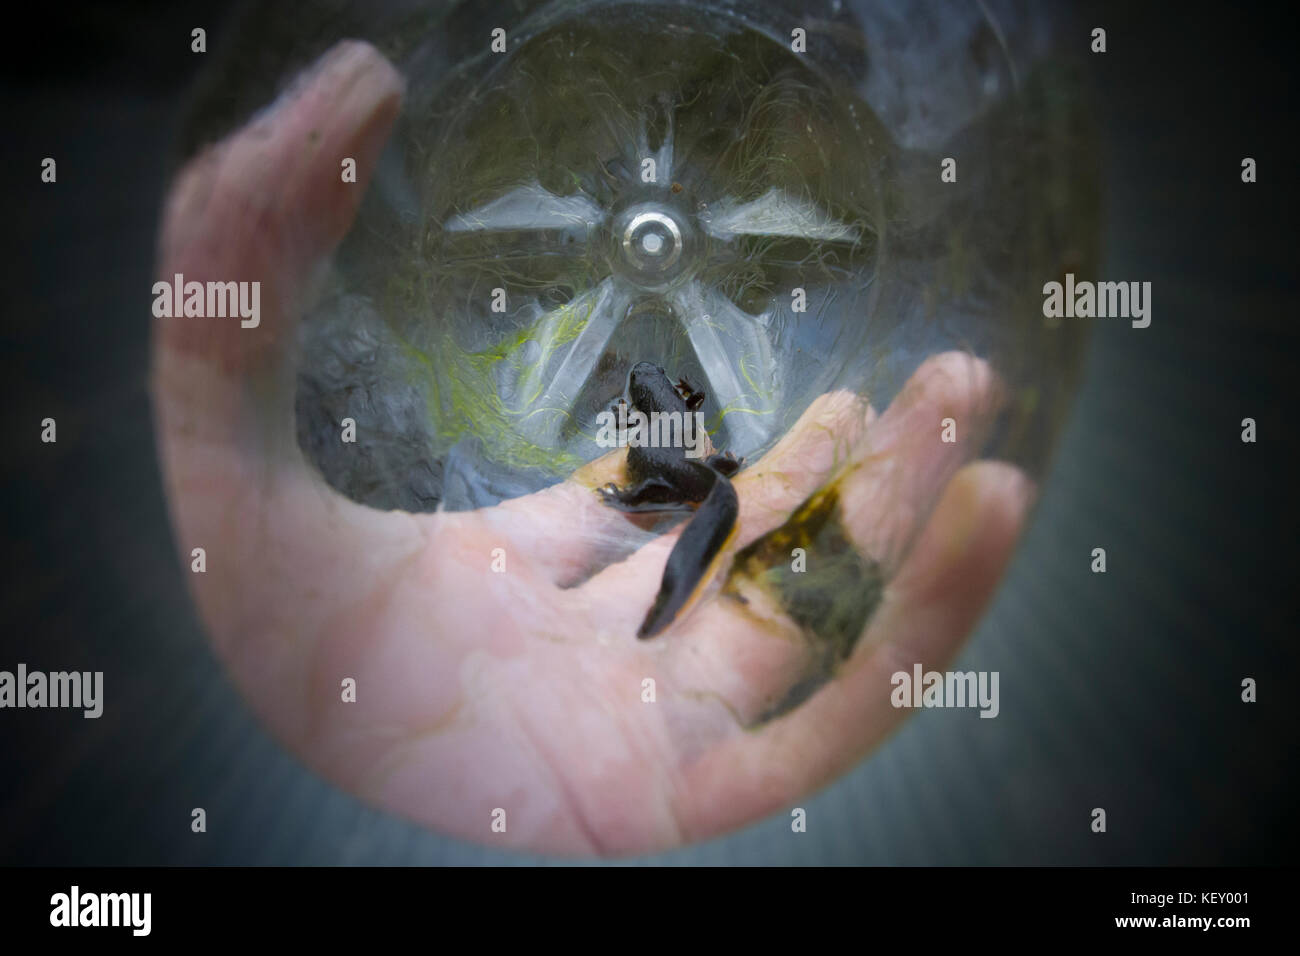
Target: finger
(270, 201)
(566, 529)
(939, 420)
(261, 209)
(823, 440)
(928, 609)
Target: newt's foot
(690, 396)
(725, 462)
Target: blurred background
(1119, 690)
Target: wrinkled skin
(478, 690)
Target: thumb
(266, 204)
(263, 208)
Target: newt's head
(650, 390)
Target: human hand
(523, 690)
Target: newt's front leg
(690, 396)
(652, 494)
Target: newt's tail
(693, 559)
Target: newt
(667, 479)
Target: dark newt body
(665, 479)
